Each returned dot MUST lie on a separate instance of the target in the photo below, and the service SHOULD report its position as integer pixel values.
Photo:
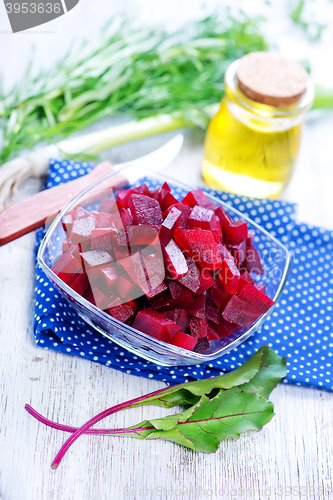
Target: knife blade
(30, 213)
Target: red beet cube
(174, 260)
(79, 283)
(184, 341)
(167, 201)
(142, 235)
(82, 228)
(229, 275)
(219, 296)
(107, 276)
(66, 267)
(185, 210)
(67, 223)
(236, 231)
(123, 312)
(206, 280)
(192, 279)
(126, 217)
(252, 262)
(202, 345)
(182, 318)
(96, 258)
(198, 307)
(198, 327)
(223, 329)
(145, 210)
(101, 239)
(106, 220)
(202, 218)
(238, 251)
(126, 288)
(170, 225)
(197, 197)
(66, 244)
(225, 219)
(201, 246)
(258, 302)
(155, 324)
(212, 312)
(108, 206)
(239, 312)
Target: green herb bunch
(125, 70)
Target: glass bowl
(274, 256)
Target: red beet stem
(84, 428)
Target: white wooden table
(290, 458)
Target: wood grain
(32, 212)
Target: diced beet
(153, 262)
(142, 235)
(66, 267)
(120, 312)
(121, 252)
(167, 201)
(238, 251)
(202, 345)
(175, 289)
(170, 225)
(96, 258)
(123, 312)
(155, 324)
(182, 318)
(126, 217)
(82, 228)
(238, 311)
(179, 316)
(99, 299)
(219, 296)
(201, 246)
(247, 277)
(80, 213)
(79, 283)
(252, 262)
(101, 239)
(229, 275)
(216, 229)
(236, 231)
(155, 286)
(126, 287)
(191, 279)
(108, 206)
(198, 307)
(145, 210)
(120, 238)
(122, 198)
(67, 223)
(224, 252)
(66, 244)
(202, 218)
(133, 265)
(106, 220)
(185, 210)
(174, 260)
(224, 218)
(197, 197)
(184, 341)
(108, 277)
(212, 312)
(198, 327)
(206, 280)
(165, 301)
(257, 301)
(223, 329)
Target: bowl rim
(174, 350)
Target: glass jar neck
(263, 117)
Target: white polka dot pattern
(300, 328)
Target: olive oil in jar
(251, 147)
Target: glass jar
(252, 148)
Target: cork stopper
(270, 79)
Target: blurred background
(301, 30)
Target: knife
(31, 213)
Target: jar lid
(270, 79)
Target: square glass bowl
(274, 256)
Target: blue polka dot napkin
(301, 326)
